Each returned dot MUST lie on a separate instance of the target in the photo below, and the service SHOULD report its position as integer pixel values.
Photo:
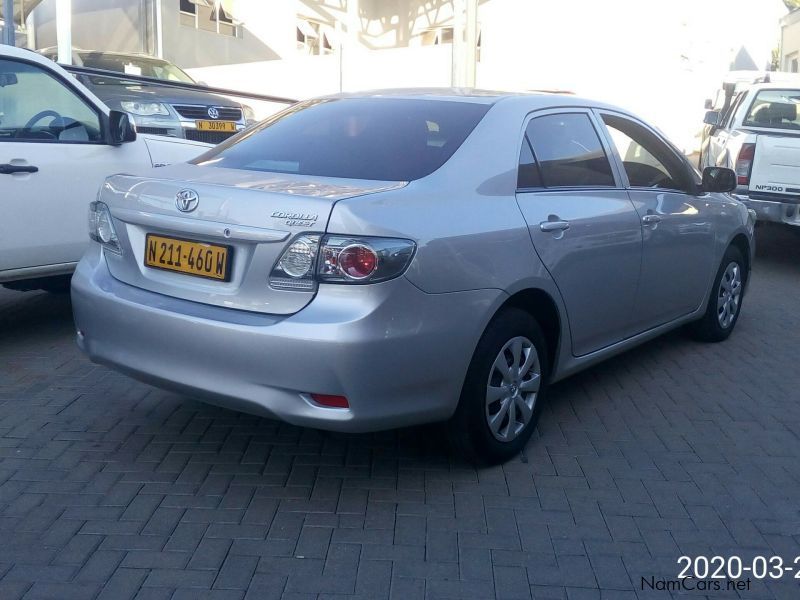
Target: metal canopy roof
(22, 8)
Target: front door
(52, 162)
(583, 225)
(678, 236)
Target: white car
(58, 143)
(758, 135)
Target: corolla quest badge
(213, 113)
(294, 219)
(187, 200)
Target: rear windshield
(385, 139)
(776, 109)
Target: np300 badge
(187, 200)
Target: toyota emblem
(187, 200)
(213, 113)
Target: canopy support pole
(8, 23)
(64, 31)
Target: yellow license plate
(185, 256)
(227, 126)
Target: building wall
(121, 25)
(189, 47)
(790, 42)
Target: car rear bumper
(773, 211)
(399, 355)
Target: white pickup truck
(758, 136)
(58, 143)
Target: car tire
(725, 301)
(503, 391)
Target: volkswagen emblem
(213, 113)
(187, 200)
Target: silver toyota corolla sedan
(363, 262)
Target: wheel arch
(540, 305)
(741, 243)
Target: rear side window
(775, 109)
(528, 176)
(569, 151)
(387, 139)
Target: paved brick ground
(112, 489)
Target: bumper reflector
(330, 401)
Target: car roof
(536, 99)
(85, 52)
(132, 55)
(794, 85)
(24, 53)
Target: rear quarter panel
(464, 218)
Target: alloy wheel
(512, 389)
(729, 295)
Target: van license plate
(226, 126)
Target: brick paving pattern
(113, 489)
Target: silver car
(363, 262)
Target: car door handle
(554, 225)
(10, 169)
(651, 219)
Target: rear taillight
(313, 258)
(101, 227)
(744, 163)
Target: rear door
(678, 237)
(582, 223)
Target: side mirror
(709, 104)
(711, 118)
(120, 128)
(718, 179)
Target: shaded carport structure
(20, 9)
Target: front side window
(648, 162)
(726, 115)
(385, 139)
(569, 151)
(37, 107)
(775, 109)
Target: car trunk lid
(242, 221)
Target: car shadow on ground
(31, 316)
(33, 320)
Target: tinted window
(775, 109)
(648, 161)
(361, 138)
(528, 176)
(569, 151)
(35, 106)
